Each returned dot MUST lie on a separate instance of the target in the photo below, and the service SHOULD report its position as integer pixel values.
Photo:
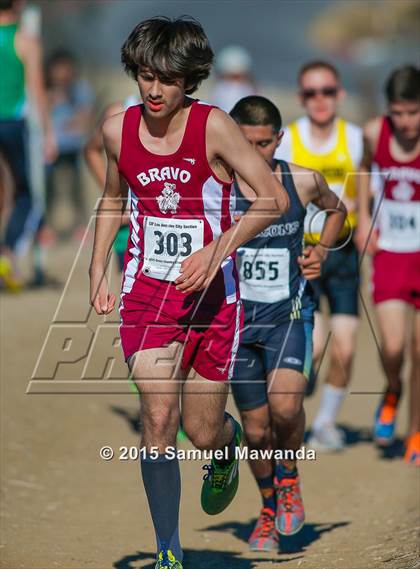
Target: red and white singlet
(396, 267)
(178, 206)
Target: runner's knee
(257, 432)
(392, 354)
(343, 353)
(287, 409)
(203, 434)
(343, 339)
(159, 421)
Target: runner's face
(263, 138)
(319, 94)
(160, 99)
(405, 117)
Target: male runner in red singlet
(180, 307)
(392, 155)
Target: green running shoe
(221, 483)
(181, 435)
(166, 560)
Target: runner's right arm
(94, 148)
(108, 219)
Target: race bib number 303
(264, 274)
(167, 242)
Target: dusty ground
(64, 507)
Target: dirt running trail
(63, 507)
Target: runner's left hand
(199, 269)
(311, 260)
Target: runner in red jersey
(179, 205)
(392, 155)
(180, 309)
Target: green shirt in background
(12, 76)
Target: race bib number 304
(399, 226)
(264, 274)
(167, 242)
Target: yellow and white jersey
(338, 161)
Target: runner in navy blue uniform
(275, 353)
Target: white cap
(233, 59)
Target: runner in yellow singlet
(322, 141)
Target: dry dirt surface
(64, 507)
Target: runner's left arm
(226, 142)
(325, 199)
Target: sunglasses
(324, 91)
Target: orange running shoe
(264, 537)
(412, 453)
(290, 515)
(385, 419)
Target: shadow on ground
(395, 451)
(353, 435)
(293, 544)
(204, 559)
(131, 416)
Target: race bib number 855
(167, 242)
(264, 274)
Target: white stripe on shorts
(235, 344)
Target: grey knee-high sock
(162, 482)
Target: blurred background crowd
(259, 48)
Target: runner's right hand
(102, 301)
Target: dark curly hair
(171, 49)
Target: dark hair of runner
(256, 111)
(318, 64)
(170, 49)
(6, 4)
(403, 84)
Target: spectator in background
(234, 81)
(71, 101)
(21, 79)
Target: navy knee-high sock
(162, 482)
